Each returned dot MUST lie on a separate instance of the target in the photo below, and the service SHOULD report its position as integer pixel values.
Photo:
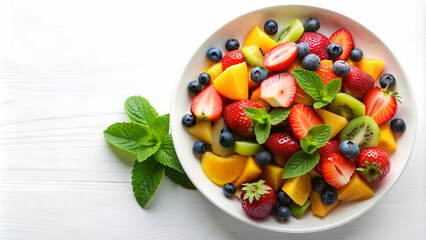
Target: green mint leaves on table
(312, 84)
(147, 136)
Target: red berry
(317, 42)
(380, 104)
(329, 148)
(373, 164)
(344, 38)
(207, 105)
(337, 170)
(236, 119)
(357, 83)
(282, 146)
(258, 199)
(302, 118)
(280, 57)
(232, 58)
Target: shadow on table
(125, 157)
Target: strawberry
(236, 119)
(373, 164)
(258, 199)
(279, 89)
(344, 38)
(280, 57)
(302, 118)
(326, 71)
(337, 170)
(330, 147)
(282, 146)
(232, 58)
(207, 104)
(357, 83)
(317, 42)
(380, 104)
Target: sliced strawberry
(207, 105)
(380, 104)
(329, 148)
(317, 42)
(337, 170)
(232, 58)
(280, 57)
(357, 83)
(344, 38)
(302, 118)
(279, 89)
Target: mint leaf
(254, 113)
(299, 164)
(331, 89)
(146, 177)
(320, 104)
(146, 151)
(166, 154)
(310, 82)
(140, 111)
(317, 137)
(125, 135)
(179, 178)
(278, 115)
(161, 126)
(262, 130)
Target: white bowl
(372, 47)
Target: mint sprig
(317, 137)
(264, 121)
(147, 136)
(312, 84)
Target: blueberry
(283, 213)
(311, 25)
(204, 78)
(398, 125)
(356, 55)
(226, 129)
(271, 27)
(283, 198)
(194, 87)
(318, 184)
(311, 62)
(258, 74)
(341, 68)
(349, 149)
(277, 206)
(232, 44)
(199, 147)
(214, 54)
(188, 120)
(334, 50)
(386, 79)
(328, 196)
(229, 189)
(226, 139)
(263, 157)
(302, 50)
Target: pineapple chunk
(336, 122)
(387, 139)
(356, 189)
(273, 174)
(202, 130)
(251, 172)
(298, 188)
(319, 209)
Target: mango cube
(273, 174)
(222, 170)
(319, 209)
(214, 71)
(298, 188)
(356, 189)
(202, 130)
(336, 122)
(233, 82)
(370, 66)
(258, 37)
(387, 139)
(251, 172)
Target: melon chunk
(387, 139)
(273, 174)
(319, 209)
(336, 122)
(202, 130)
(258, 37)
(298, 188)
(251, 172)
(356, 189)
(233, 82)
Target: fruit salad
(293, 120)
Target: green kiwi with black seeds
(347, 106)
(363, 130)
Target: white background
(66, 68)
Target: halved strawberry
(357, 83)
(232, 58)
(344, 38)
(337, 170)
(280, 57)
(302, 118)
(279, 89)
(317, 42)
(207, 105)
(380, 104)
(329, 148)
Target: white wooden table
(66, 68)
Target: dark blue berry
(349, 149)
(226, 129)
(277, 206)
(328, 196)
(341, 68)
(199, 147)
(204, 78)
(188, 120)
(283, 213)
(398, 125)
(214, 54)
(356, 55)
(263, 157)
(386, 79)
(271, 27)
(232, 44)
(334, 50)
(226, 139)
(311, 62)
(283, 198)
(311, 25)
(302, 50)
(258, 74)
(229, 189)
(318, 184)
(194, 87)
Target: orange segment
(215, 70)
(356, 189)
(233, 82)
(222, 170)
(387, 139)
(258, 37)
(251, 172)
(319, 209)
(255, 98)
(273, 174)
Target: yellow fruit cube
(273, 174)
(318, 208)
(258, 37)
(298, 188)
(336, 122)
(233, 82)
(202, 130)
(370, 66)
(251, 172)
(222, 170)
(255, 98)
(214, 71)
(356, 189)
(387, 139)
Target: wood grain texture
(66, 68)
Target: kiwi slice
(347, 106)
(253, 56)
(247, 148)
(363, 130)
(296, 210)
(290, 33)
